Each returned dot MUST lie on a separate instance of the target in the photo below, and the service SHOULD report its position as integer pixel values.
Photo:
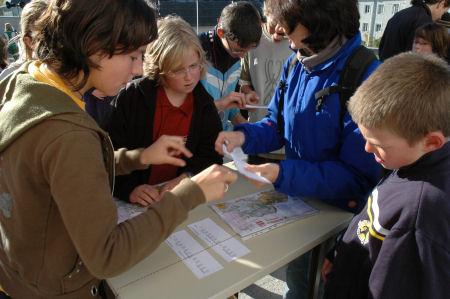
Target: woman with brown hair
(58, 220)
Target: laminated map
(260, 212)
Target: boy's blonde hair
(409, 95)
(165, 54)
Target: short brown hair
(437, 36)
(325, 20)
(409, 95)
(165, 53)
(70, 31)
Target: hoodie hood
(25, 102)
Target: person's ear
(433, 141)
(220, 32)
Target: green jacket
(58, 222)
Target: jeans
(297, 278)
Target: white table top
(164, 275)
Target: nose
(137, 68)
(279, 29)
(368, 147)
(187, 74)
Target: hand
(251, 98)
(214, 181)
(269, 170)
(326, 269)
(169, 185)
(232, 100)
(230, 139)
(144, 195)
(166, 150)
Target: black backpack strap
(351, 77)
(282, 85)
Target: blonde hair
(409, 95)
(30, 13)
(166, 53)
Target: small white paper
(248, 106)
(127, 210)
(194, 256)
(221, 242)
(238, 156)
(183, 244)
(231, 249)
(202, 264)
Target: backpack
(351, 77)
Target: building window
(395, 8)
(378, 27)
(380, 9)
(366, 8)
(365, 26)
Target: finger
(218, 144)
(175, 161)
(255, 183)
(178, 146)
(145, 199)
(150, 191)
(229, 176)
(139, 200)
(255, 168)
(240, 100)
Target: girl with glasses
(168, 100)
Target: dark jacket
(398, 36)
(398, 246)
(131, 126)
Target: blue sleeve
(350, 177)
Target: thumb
(175, 161)
(254, 168)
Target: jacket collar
(432, 158)
(343, 52)
(25, 102)
(149, 87)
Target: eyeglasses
(192, 69)
(236, 49)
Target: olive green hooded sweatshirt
(58, 222)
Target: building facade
(374, 16)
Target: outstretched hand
(214, 181)
(232, 100)
(230, 139)
(269, 170)
(145, 195)
(166, 150)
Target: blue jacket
(324, 158)
(222, 75)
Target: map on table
(260, 212)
